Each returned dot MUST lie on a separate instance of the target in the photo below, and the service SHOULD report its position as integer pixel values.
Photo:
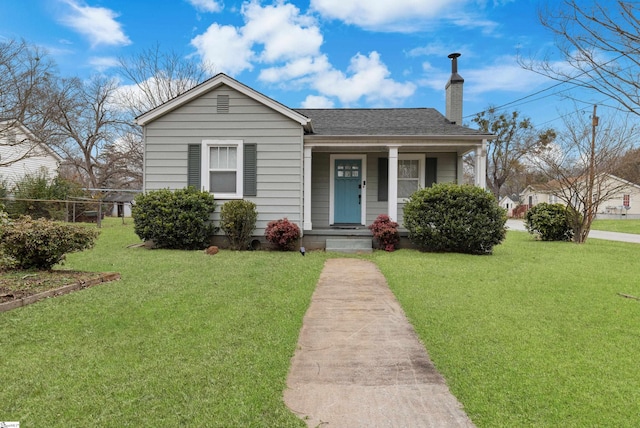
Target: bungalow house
(621, 197)
(331, 171)
(21, 153)
(508, 205)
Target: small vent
(223, 104)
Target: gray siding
(279, 150)
(320, 190)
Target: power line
(569, 80)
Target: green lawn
(534, 335)
(184, 339)
(624, 226)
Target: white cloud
(296, 69)
(504, 74)
(397, 15)
(97, 23)
(315, 101)
(368, 79)
(103, 63)
(288, 45)
(210, 6)
(225, 48)
(282, 30)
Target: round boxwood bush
(238, 221)
(455, 218)
(41, 243)
(175, 219)
(550, 222)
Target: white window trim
(206, 145)
(421, 167)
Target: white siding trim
(392, 187)
(307, 190)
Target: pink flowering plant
(385, 232)
(282, 234)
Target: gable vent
(223, 104)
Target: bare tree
(599, 42)
(86, 126)
(158, 77)
(26, 76)
(515, 138)
(588, 152)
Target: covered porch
(349, 182)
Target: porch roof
(406, 122)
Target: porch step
(349, 245)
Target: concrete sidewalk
(595, 234)
(359, 362)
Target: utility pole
(592, 170)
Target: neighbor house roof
(384, 122)
(16, 124)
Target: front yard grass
(183, 339)
(534, 335)
(623, 225)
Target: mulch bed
(20, 288)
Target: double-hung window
(222, 168)
(410, 174)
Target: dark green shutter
(250, 169)
(431, 173)
(383, 179)
(194, 165)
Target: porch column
(460, 170)
(306, 211)
(481, 165)
(392, 204)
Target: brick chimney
(454, 92)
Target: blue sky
(315, 53)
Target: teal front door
(347, 191)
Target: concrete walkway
(595, 234)
(359, 362)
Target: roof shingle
(382, 122)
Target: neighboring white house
(624, 198)
(508, 204)
(330, 171)
(21, 153)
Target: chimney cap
(454, 55)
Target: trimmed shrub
(40, 186)
(549, 222)
(238, 221)
(385, 232)
(455, 218)
(177, 219)
(282, 234)
(42, 243)
(6, 262)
